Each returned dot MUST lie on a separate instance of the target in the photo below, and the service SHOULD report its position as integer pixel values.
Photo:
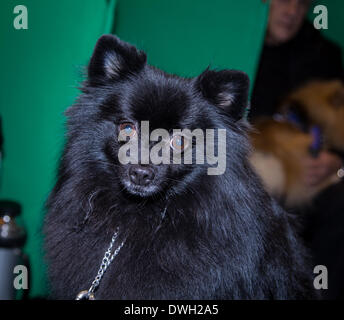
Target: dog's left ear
(114, 59)
(227, 89)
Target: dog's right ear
(226, 89)
(114, 59)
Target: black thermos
(12, 238)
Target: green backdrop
(41, 68)
(185, 36)
(335, 30)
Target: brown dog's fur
(279, 147)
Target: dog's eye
(179, 142)
(128, 129)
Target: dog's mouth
(140, 191)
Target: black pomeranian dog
(178, 231)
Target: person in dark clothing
(286, 65)
(294, 53)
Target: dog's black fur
(197, 236)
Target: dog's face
(321, 103)
(127, 100)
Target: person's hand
(316, 170)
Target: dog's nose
(142, 176)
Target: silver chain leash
(107, 259)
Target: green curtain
(185, 36)
(335, 31)
(40, 69)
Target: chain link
(107, 259)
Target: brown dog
(280, 145)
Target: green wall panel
(40, 69)
(185, 36)
(335, 31)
